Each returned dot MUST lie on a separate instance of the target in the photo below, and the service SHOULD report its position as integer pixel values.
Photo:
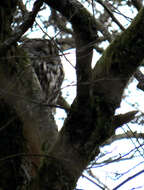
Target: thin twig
(111, 14)
(22, 28)
(128, 179)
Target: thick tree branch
(62, 102)
(21, 91)
(121, 119)
(119, 62)
(79, 17)
(127, 135)
(140, 77)
(137, 4)
(87, 127)
(85, 33)
(22, 29)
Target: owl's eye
(38, 49)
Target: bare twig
(111, 14)
(128, 179)
(93, 182)
(22, 28)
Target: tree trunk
(90, 122)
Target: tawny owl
(47, 65)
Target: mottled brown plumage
(47, 65)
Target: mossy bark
(89, 122)
(25, 124)
(87, 127)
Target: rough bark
(90, 120)
(26, 122)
